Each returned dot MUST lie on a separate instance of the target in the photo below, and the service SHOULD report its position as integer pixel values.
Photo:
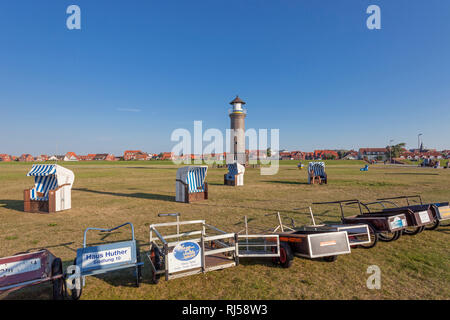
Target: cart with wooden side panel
(440, 211)
(104, 258)
(417, 216)
(359, 235)
(178, 253)
(309, 242)
(388, 226)
(31, 268)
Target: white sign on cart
(186, 255)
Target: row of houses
(370, 154)
(69, 156)
(318, 155)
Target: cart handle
(108, 230)
(338, 201)
(345, 202)
(177, 214)
(404, 197)
(380, 203)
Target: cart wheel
(388, 236)
(286, 255)
(275, 260)
(138, 271)
(330, 258)
(411, 231)
(156, 259)
(373, 238)
(76, 293)
(433, 225)
(58, 292)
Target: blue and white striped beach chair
(191, 184)
(52, 189)
(235, 175)
(316, 173)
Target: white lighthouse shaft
(237, 126)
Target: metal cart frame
(218, 251)
(440, 211)
(382, 223)
(107, 257)
(31, 268)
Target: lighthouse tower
(237, 126)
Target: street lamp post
(390, 150)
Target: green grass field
(106, 194)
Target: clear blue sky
(137, 70)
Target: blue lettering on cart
(93, 256)
(105, 257)
(116, 253)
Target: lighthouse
(237, 126)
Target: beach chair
(190, 184)
(235, 175)
(52, 189)
(366, 168)
(316, 173)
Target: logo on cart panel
(397, 222)
(424, 217)
(105, 257)
(18, 267)
(186, 251)
(185, 256)
(328, 243)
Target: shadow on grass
(215, 183)
(413, 173)
(139, 195)
(285, 182)
(151, 168)
(12, 204)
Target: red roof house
(5, 157)
(71, 156)
(26, 157)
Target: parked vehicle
(201, 249)
(104, 258)
(386, 226)
(309, 242)
(440, 211)
(27, 269)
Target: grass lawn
(111, 193)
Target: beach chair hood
(62, 175)
(234, 169)
(193, 176)
(49, 177)
(317, 167)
